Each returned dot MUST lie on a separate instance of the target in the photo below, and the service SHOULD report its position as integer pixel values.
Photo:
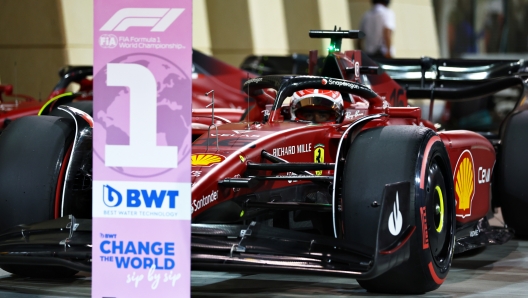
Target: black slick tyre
(33, 154)
(390, 155)
(511, 171)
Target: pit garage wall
(41, 36)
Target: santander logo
(395, 218)
(159, 19)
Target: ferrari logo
(206, 159)
(464, 183)
(319, 156)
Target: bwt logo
(108, 41)
(137, 197)
(157, 18)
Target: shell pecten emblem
(206, 159)
(464, 184)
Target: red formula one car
(18, 104)
(208, 74)
(337, 176)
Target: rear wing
(458, 79)
(412, 70)
(467, 89)
(454, 79)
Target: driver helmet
(316, 105)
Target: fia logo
(108, 41)
(395, 218)
(159, 19)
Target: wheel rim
(439, 209)
(439, 220)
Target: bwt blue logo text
(137, 197)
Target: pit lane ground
(491, 272)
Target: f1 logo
(157, 18)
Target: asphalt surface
(491, 272)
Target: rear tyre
(389, 155)
(511, 171)
(32, 157)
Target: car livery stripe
(402, 243)
(60, 182)
(424, 161)
(69, 159)
(52, 100)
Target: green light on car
(335, 46)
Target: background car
(75, 88)
(18, 105)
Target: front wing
(67, 242)
(255, 247)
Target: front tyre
(389, 155)
(34, 152)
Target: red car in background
(17, 106)
(75, 88)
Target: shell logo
(206, 159)
(464, 183)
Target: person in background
(378, 24)
(460, 31)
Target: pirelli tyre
(414, 161)
(33, 157)
(511, 170)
